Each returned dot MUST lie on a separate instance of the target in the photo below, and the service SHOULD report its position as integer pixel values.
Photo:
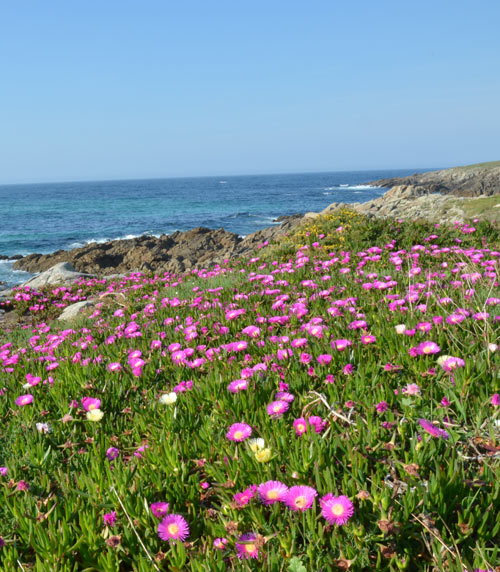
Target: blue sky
(128, 89)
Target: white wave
(222, 182)
(103, 240)
(345, 185)
(330, 188)
(360, 187)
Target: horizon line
(163, 178)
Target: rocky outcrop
(71, 312)
(178, 252)
(60, 273)
(482, 179)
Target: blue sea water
(47, 217)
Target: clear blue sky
(150, 88)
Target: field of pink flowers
(330, 403)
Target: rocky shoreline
(440, 196)
(178, 252)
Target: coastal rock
(57, 274)
(73, 311)
(178, 252)
(482, 179)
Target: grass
(77, 487)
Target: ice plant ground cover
(330, 403)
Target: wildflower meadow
(331, 402)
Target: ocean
(52, 216)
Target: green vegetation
(361, 355)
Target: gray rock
(58, 274)
(71, 312)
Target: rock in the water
(178, 252)
(58, 274)
(73, 311)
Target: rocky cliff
(482, 179)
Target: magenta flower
(428, 348)
(277, 408)
(336, 510)
(341, 345)
(271, 492)
(3, 471)
(159, 509)
(495, 399)
(246, 546)
(23, 400)
(243, 498)
(112, 453)
(300, 426)
(239, 432)
(433, 430)
(89, 403)
(368, 339)
(220, 543)
(237, 385)
(451, 363)
(110, 518)
(173, 527)
(382, 406)
(316, 422)
(300, 497)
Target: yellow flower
(95, 415)
(263, 456)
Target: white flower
(256, 445)
(492, 348)
(43, 428)
(168, 398)
(400, 329)
(95, 415)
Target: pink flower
(246, 546)
(173, 527)
(382, 406)
(159, 509)
(271, 492)
(243, 498)
(112, 453)
(368, 339)
(237, 385)
(316, 422)
(336, 510)
(341, 345)
(495, 399)
(220, 543)
(412, 389)
(114, 366)
(300, 497)
(300, 426)
(277, 408)
(432, 429)
(110, 518)
(89, 403)
(23, 400)
(427, 348)
(239, 432)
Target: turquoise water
(47, 217)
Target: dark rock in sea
(178, 252)
(16, 257)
